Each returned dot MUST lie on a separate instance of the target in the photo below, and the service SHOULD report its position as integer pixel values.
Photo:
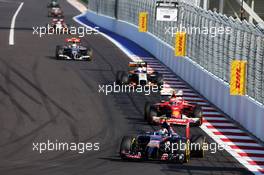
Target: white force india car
(138, 75)
(73, 50)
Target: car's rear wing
(170, 91)
(75, 40)
(187, 129)
(137, 64)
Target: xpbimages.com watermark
(50, 30)
(211, 31)
(51, 146)
(115, 88)
(182, 146)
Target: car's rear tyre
(126, 146)
(146, 110)
(118, 77)
(150, 114)
(59, 50)
(160, 81)
(157, 78)
(197, 149)
(198, 113)
(124, 78)
(90, 54)
(177, 150)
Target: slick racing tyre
(118, 77)
(198, 113)
(90, 54)
(59, 51)
(150, 114)
(176, 155)
(157, 79)
(124, 78)
(197, 149)
(160, 81)
(146, 110)
(126, 146)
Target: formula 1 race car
(174, 111)
(58, 26)
(139, 76)
(73, 51)
(53, 3)
(55, 12)
(164, 146)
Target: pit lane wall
(243, 109)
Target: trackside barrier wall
(241, 108)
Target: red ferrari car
(174, 111)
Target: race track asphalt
(43, 99)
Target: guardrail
(207, 66)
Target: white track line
(235, 137)
(166, 78)
(13, 22)
(202, 103)
(218, 124)
(166, 72)
(209, 108)
(233, 152)
(254, 158)
(222, 130)
(213, 113)
(215, 119)
(79, 6)
(248, 151)
(242, 144)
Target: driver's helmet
(163, 131)
(74, 45)
(179, 93)
(165, 125)
(59, 25)
(140, 69)
(173, 101)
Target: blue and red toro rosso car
(175, 110)
(164, 145)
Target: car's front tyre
(59, 51)
(126, 146)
